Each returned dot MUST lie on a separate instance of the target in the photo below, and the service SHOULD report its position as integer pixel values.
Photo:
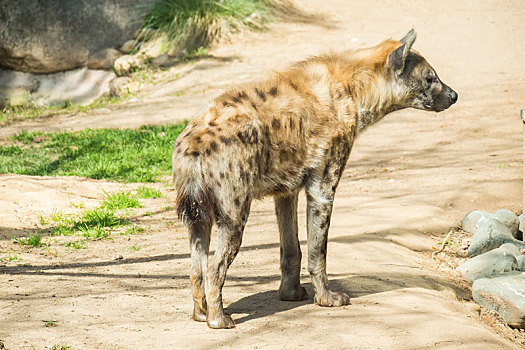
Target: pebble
(128, 46)
(125, 64)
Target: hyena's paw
(332, 299)
(199, 315)
(221, 321)
(293, 294)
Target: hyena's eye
(430, 80)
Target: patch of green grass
(75, 245)
(191, 24)
(62, 229)
(28, 111)
(134, 248)
(179, 93)
(49, 323)
(101, 217)
(63, 223)
(133, 230)
(33, 240)
(43, 220)
(120, 200)
(94, 232)
(11, 257)
(140, 155)
(60, 347)
(94, 223)
(148, 192)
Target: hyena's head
(421, 86)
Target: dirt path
(411, 175)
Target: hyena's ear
(398, 58)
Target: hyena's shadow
(266, 303)
(263, 304)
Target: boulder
(511, 248)
(491, 235)
(54, 35)
(474, 220)
(509, 219)
(77, 86)
(103, 59)
(505, 295)
(490, 264)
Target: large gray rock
(476, 219)
(491, 235)
(55, 35)
(490, 264)
(505, 295)
(77, 86)
(509, 219)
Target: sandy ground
(409, 179)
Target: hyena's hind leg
(200, 244)
(286, 211)
(229, 236)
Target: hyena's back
(253, 141)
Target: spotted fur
(293, 130)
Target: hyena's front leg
(200, 243)
(286, 211)
(320, 196)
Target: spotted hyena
(293, 130)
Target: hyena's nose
(453, 96)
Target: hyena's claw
(296, 294)
(332, 299)
(222, 321)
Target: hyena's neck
(372, 87)
(375, 98)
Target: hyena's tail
(194, 198)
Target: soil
(410, 179)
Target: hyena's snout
(446, 98)
(451, 95)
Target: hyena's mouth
(427, 106)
